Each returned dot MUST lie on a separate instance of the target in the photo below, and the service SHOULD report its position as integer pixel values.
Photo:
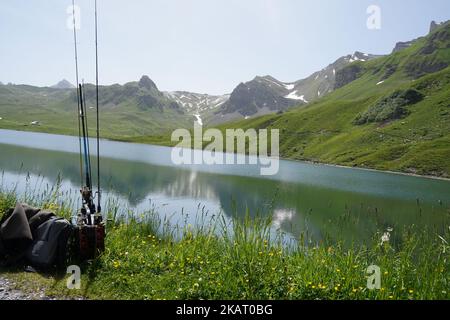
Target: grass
(146, 258)
(326, 132)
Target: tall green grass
(148, 258)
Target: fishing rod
(88, 207)
(81, 133)
(78, 97)
(87, 145)
(91, 229)
(99, 194)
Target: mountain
(423, 56)
(403, 45)
(390, 113)
(144, 94)
(324, 81)
(134, 109)
(260, 96)
(63, 84)
(265, 95)
(197, 102)
(202, 106)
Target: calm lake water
(317, 200)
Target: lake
(318, 201)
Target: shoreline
(125, 140)
(370, 169)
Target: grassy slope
(324, 131)
(56, 111)
(126, 123)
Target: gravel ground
(7, 292)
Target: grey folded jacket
(15, 232)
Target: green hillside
(391, 113)
(133, 109)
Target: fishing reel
(89, 214)
(90, 230)
(90, 241)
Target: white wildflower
(385, 237)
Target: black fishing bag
(50, 244)
(42, 240)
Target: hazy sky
(206, 46)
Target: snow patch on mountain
(199, 105)
(272, 81)
(289, 86)
(293, 95)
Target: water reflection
(296, 206)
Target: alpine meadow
(172, 163)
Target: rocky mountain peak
(402, 45)
(433, 26)
(359, 56)
(147, 83)
(63, 84)
(406, 44)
